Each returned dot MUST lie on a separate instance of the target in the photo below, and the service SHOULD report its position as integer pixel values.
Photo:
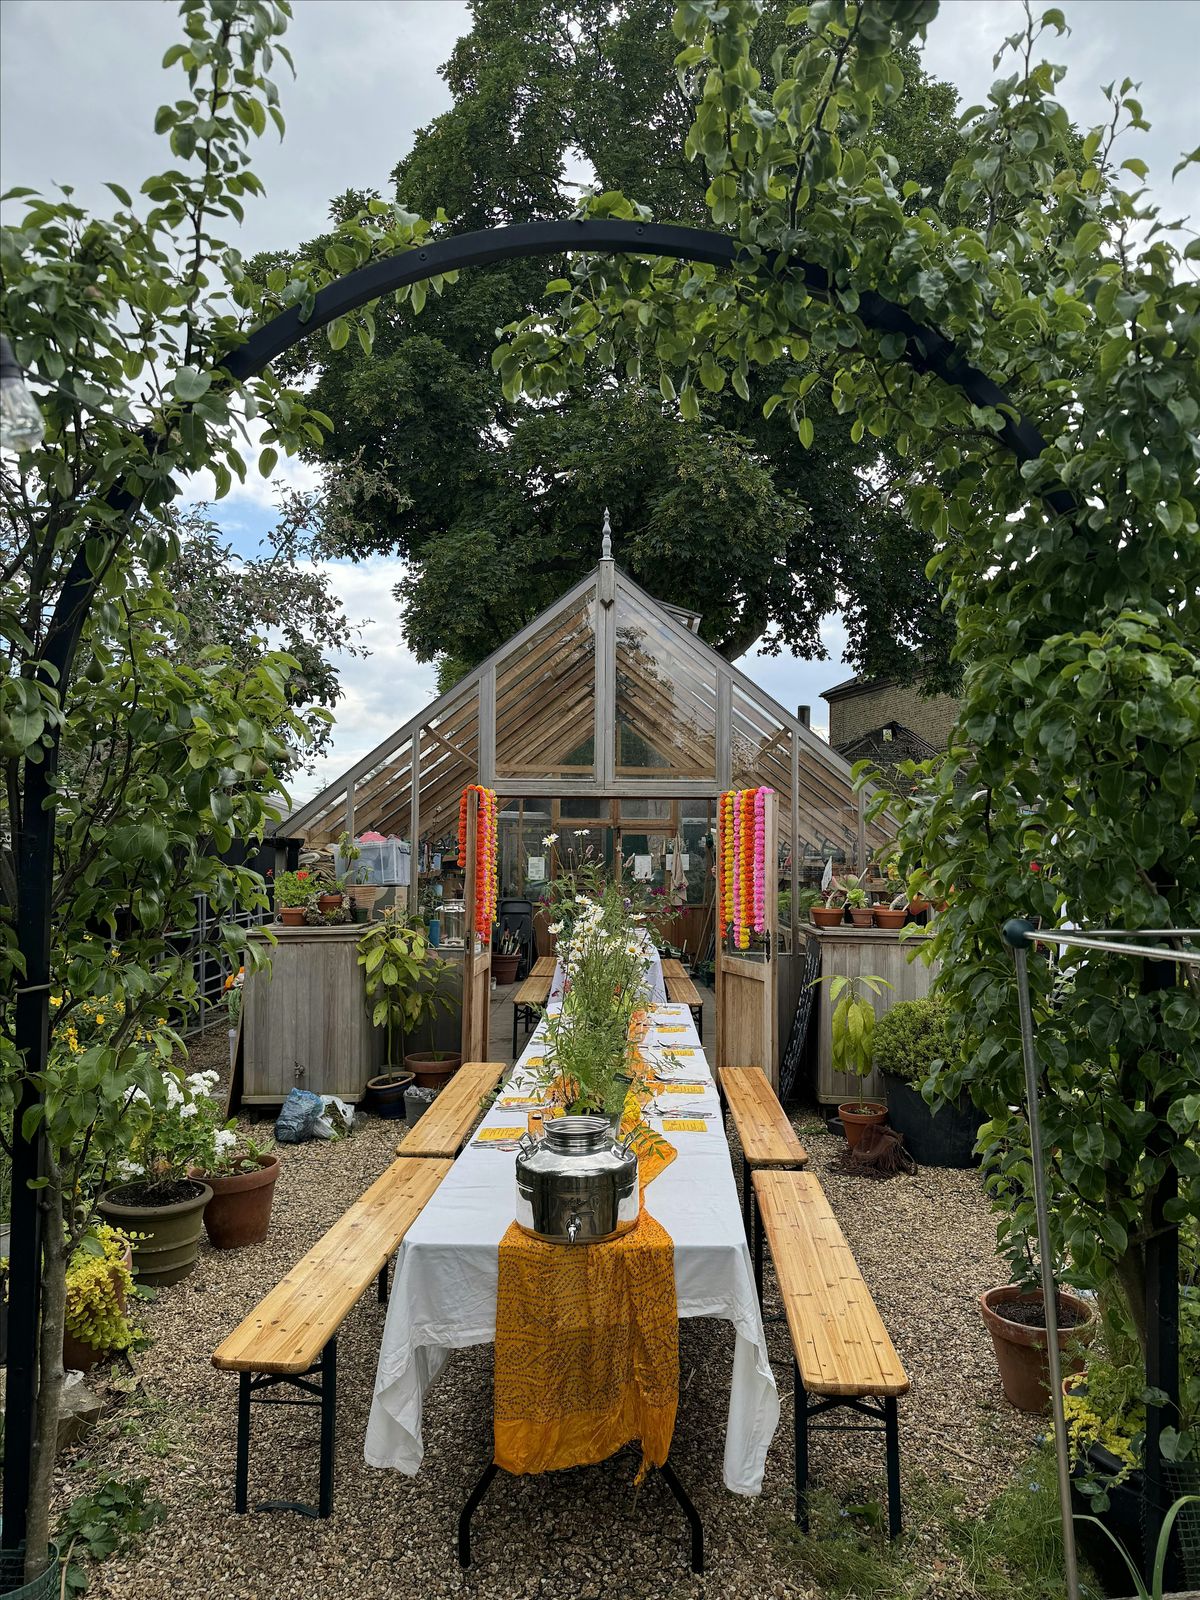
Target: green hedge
(911, 1037)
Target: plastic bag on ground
(336, 1119)
(297, 1120)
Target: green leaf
(190, 383)
(267, 461)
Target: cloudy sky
(80, 83)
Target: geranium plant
(295, 888)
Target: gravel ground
(925, 1246)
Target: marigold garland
(742, 864)
(487, 886)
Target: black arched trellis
(925, 350)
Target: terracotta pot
(826, 916)
(78, 1354)
(432, 1070)
(504, 968)
(385, 1094)
(855, 1120)
(917, 906)
(885, 917)
(292, 916)
(328, 902)
(862, 916)
(172, 1242)
(239, 1212)
(1021, 1351)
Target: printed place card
(491, 1134)
(532, 1062)
(684, 1125)
(670, 1027)
(684, 1088)
(672, 1050)
(519, 1100)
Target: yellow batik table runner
(587, 1344)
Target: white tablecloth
(654, 976)
(444, 1289)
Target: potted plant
(330, 896)
(858, 902)
(293, 891)
(853, 1029)
(242, 1176)
(829, 908)
(385, 1093)
(99, 1283)
(506, 956)
(159, 1205)
(912, 1044)
(409, 986)
(1015, 1316)
(894, 914)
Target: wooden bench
(291, 1335)
(767, 1138)
(446, 1126)
(681, 991)
(534, 992)
(842, 1353)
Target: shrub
(913, 1039)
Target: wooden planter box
(305, 1022)
(853, 952)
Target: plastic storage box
(383, 861)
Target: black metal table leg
(241, 1475)
(516, 1008)
(891, 1428)
(383, 1283)
(800, 1423)
(690, 1512)
(469, 1510)
(328, 1424)
(747, 1198)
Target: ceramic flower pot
(858, 1115)
(172, 1243)
(430, 1069)
(1021, 1347)
(385, 1094)
(292, 916)
(328, 902)
(78, 1354)
(862, 916)
(239, 1212)
(826, 916)
(504, 968)
(885, 917)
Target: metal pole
(1018, 935)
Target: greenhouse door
(477, 957)
(747, 980)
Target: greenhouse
(608, 722)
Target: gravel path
(925, 1245)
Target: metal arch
(925, 350)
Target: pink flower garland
(760, 858)
(737, 865)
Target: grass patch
(1014, 1547)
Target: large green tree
(1074, 575)
(735, 519)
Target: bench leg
(328, 1424)
(690, 1512)
(747, 1199)
(891, 1428)
(241, 1475)
(469, 1510)
(800, 1424)
(698, 1017)
(382, 1286)
(516, 1009)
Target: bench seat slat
(290, 1326)
(681, 991)
(841, 1344)
(543, 967)
(535, 991)
(443, 1128)
(768, 1138)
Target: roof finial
(606, 542)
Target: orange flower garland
(486, 873)
(741, 864)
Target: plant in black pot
(912, 1044)
(408, 984)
